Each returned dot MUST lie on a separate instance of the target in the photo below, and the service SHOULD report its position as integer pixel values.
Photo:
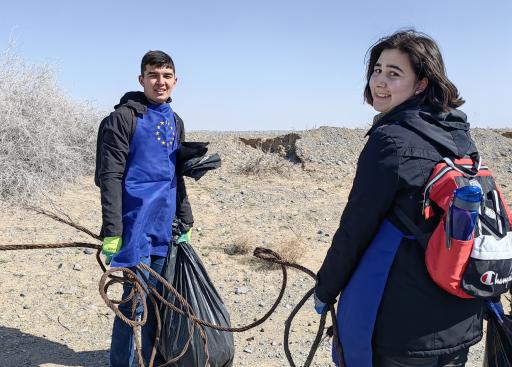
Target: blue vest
(149, 187)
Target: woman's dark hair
(426, 61)
(158, 58)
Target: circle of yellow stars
(161, 136)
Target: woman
(390, 312)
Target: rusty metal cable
(141, 292)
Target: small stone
(199, 229)
(250, 339)
(241, 290)
(320, 231)
(22, 294)
(88, 251)
(26, 307)
(262, 330)
(77, 267)
(248, 350)
(261, 304)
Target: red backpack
(478, 267)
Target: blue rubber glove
(111, 246)
(320, 307)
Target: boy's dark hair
(426, 61)
(158, 58)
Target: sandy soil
(52, 314)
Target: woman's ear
(421, 86)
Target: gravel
(52, 314)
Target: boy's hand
(185, 237)
(111, 246)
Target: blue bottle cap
(472, 194)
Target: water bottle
(464, 212)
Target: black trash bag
(197, 167)
(192, 160)
(498, 346)
(187, 274)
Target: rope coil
(141, 292)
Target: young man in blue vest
(141, 192)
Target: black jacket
(113, 145)
(415, 317)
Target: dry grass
(290, 250)
(46, 140)
(240, 246)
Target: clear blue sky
(267, 64)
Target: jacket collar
(449, 130)
(137, 101)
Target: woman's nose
(379, 80)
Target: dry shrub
(240, 246)
(46, 140)
(290, 250)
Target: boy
(141, 193)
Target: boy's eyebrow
(153, 73)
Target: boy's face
(158, 83)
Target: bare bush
(290, 250)
(239, 246)
(46, 139)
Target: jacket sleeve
(183, 208)
(113, 152)
(374, 188)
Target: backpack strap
(466, 171)
(500, 234)
(421, 237)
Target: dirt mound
(283, 145)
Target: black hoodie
(113, 144)
(416, 317)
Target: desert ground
(282, 190)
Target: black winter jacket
(113, 144)
(416, 317)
